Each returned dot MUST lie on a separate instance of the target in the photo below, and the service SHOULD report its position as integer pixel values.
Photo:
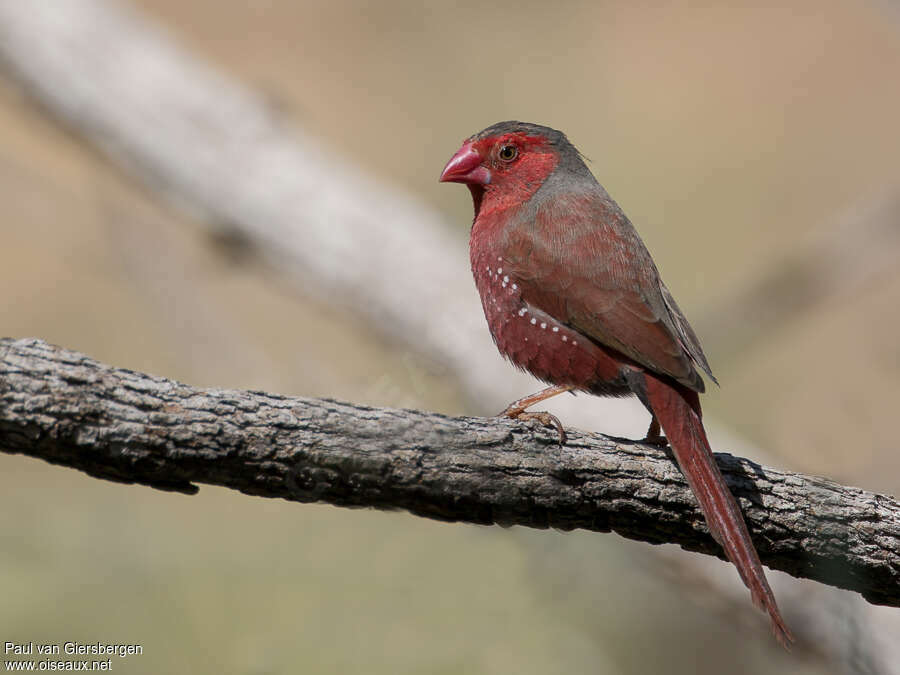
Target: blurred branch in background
(840, 262)
(217, 148)
(63, 407)
(213, 145)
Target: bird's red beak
(465, 167)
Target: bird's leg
(516, 409)
(653, 436)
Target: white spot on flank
(514, 287)
(499, 258)
(555, 329)
(574, 343)
(523, 312)
(505, 280)
(533, 321)
(504, 284)
(499, 270)
(543, 326)
(565, 339)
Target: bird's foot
(545, 418)
(654, 437)
(516, 409)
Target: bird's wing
(579, 259)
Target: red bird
(572, 295)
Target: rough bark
(117, 424)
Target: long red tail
(678, 411)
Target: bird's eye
(508, 153)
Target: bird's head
(509, 161)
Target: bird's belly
(537, 342)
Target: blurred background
(756, 150)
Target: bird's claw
(545, 418)
(654, 437)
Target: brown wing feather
(606, 285)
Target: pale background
(732, 136)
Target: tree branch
(117, 424)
